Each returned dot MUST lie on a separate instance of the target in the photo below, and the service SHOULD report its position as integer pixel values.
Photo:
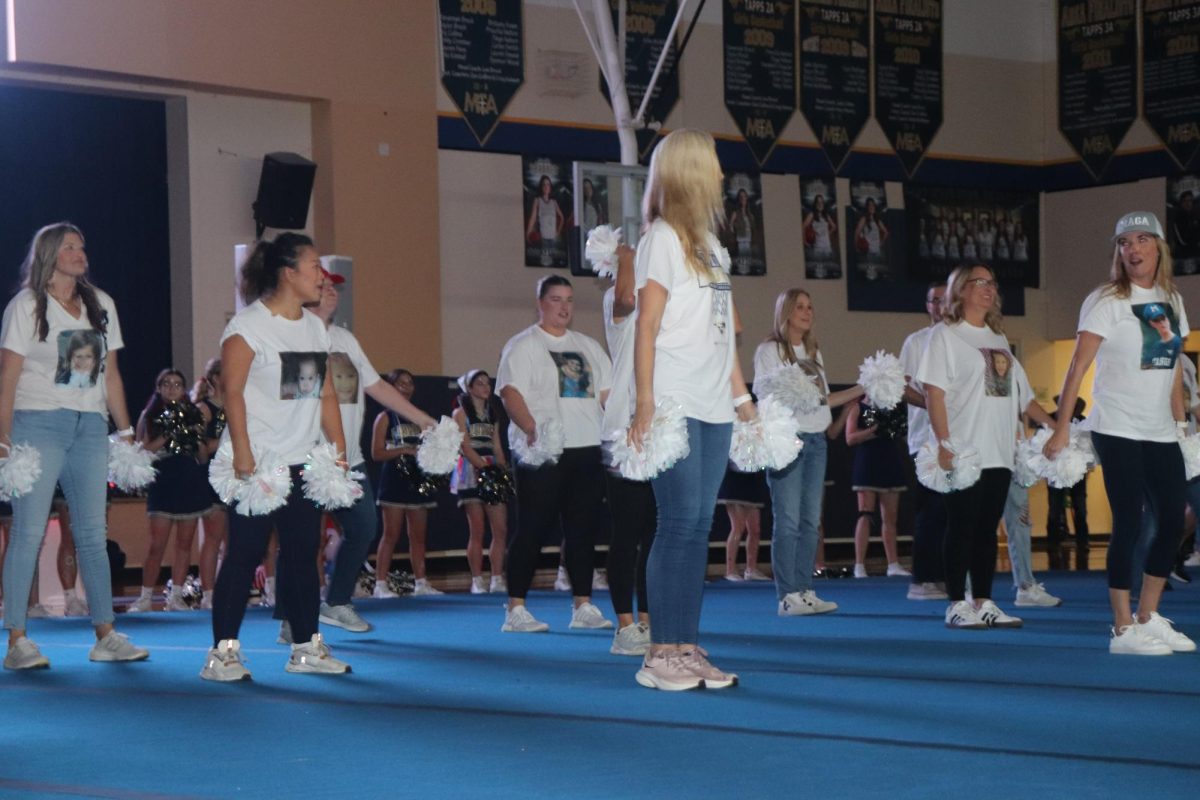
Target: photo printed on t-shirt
(1161, 342)
(80, 358)
(997, 365)
(344, 375)
(302, 375)
(574, 375)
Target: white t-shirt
(910, 360)
(767, 359)
(618, 410)
(986, 388)
(66, 370)
(283, 388)
(559, 376)
(1135, 365)
(351, 373)
(694, 351)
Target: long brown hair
(785, 304)
(38, 268)
(684, 190)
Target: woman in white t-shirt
(975, 391)
(264, 350)
(1137, 415)
(58, 385)
(798, 489)
(684, 350)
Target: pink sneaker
(668, 671)
(713, 678)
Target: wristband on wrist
(741, 400)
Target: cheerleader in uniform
(878, 478)
(475, 415)
(394, 446)
(743, 494)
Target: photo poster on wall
(742, 234)
(952, 227)
(822, 254)
(483, 60)
(875, 240)
(1183, 223)
(1171, 75)
(548, 203)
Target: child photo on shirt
(998, 371)
(80, 359)
(574, 375)
(301, 375)
(1160, 335)
(345, 378)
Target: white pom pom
(1190, 447)
(130, 466)
(440, 447)
(547, 448)
(329, 484)
(662, 447)
(19, 471)
(601, 250)
(793, 387)
(263, 492)
(882, 377)
(1068, 468)
(963, 473)
(768, 442)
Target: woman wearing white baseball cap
(1137, 417)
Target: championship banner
(908, 75)
(1097, 76)
(760, 70)
(1171, 74)
(646, 27)
(835, 58)
(483, 58)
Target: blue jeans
(359, 524)
(74, 450)
(1018, 528)
(796, 494)
(686, 496)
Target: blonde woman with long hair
(684, 349)
(975, 391)
(1137, 409)
(798, 489)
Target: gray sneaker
(75, 607)
(37, 611)
(519, 620)
(224, 663)
(117, 647)
(588, 616)
(632, 640)
(314, 657)
(24, 654)
(285, 633)
(344, 616)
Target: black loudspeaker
(284, 188)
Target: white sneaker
(314, 657)
(343, 616)
(421, 587)
(175, 602)
(927, 591)
(713, 678)
(478, 585)
(206, 600)
(1193, 560)
(144, 602)
(897, 569)
(860, 570)
(75, 607)
(632, 640)
(224, 663)
(754, 575)
(1036, 595)
(37, 611)
(519, 620)
(802, 604)
(733, 576)
(991, 615)
(285, 633)
(962, 615)
(668, 672)
(1135, 640)
(1160, 628)
(561, 582)
(599, 580)
(498, 585)
(588, 616)
(24, 654)
(383, 593)
(117, 647)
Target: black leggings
(972, 516)
(634, 519)
(1137, 474)
(572, 490)
(297, 582)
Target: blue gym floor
(875, 700)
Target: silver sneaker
(588, 616)
(314, 657)
(24, 654)
(344, 616)
(632, 640)
(224, 663)
(117, 647)
(519, 620)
